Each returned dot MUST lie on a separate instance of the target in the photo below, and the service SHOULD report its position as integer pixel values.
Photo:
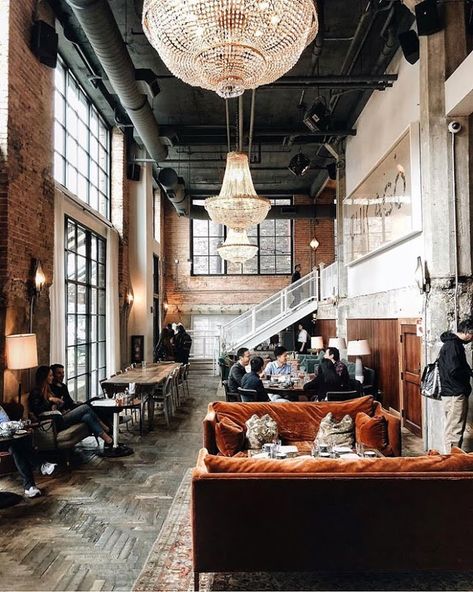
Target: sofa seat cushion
(419, 464)
(73, 435)
(372, 432)
(229, 436)
(295, 421)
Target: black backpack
(430, 382)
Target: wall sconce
(314, 243)
(421, 277)
(39, 279)
(129, 297)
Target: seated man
(25, 460)
(238, 370)
(59, 389)
(280, 364)
(252, 380)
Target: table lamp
(21, 353)
(317, 342)
(338, 342)
(358, 348)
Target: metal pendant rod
(252, 122)
(240, 123)
(227, 115)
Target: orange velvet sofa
(306, 514)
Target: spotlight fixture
(316, 117)
(299, 164)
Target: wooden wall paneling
(327, 328)
(383, 337)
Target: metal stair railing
(270, 311)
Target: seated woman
(326, 379)
(42, 400)
(252, 380)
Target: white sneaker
(48, 468)
(33, 491)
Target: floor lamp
(21, 353)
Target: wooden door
(410, 379)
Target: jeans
(25, 459)
(87, 415)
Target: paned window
(81, 143)
(85, 310)
(273, 237)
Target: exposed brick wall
(28, 198)
(215, 293)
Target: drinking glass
(143, 364)
(360, 449)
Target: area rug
(169, 567)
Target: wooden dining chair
(247, 395)
(341, 395)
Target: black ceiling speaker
(44, 42)
(410, 46)
(299, 164)
(428, 18)
(133, 172)
(317, 117)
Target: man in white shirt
(280, 365)
(25, 458)
(302, 339)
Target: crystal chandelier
(237, 205)
(237, 247)
(229, 45)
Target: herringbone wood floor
(95, 526)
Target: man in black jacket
(238, 370)
(455, 375)
(252, 380)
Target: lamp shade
(358, 347)
(21, 351)
(338, 342)
(317, 342)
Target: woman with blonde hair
(42, 401)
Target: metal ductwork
(100, 27)
(175, 190)
(321, 211)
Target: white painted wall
(384, 119)
(141, 249)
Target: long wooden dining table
(146, 378)
(153, 374)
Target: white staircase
(271, 316)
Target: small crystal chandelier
(229, 45)
(237, 247)
(237, 205)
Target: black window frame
(275, 201)
(103, 145)
(92, 312)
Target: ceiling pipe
(318, 43)
(302, 212)
(103, 34)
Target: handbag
(56, 416)
(430, 386)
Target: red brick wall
(27, 191)
(221, 291)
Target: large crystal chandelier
(237, 247)
(229, 45)
(237, 205)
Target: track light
(316, 117)
(299, 164)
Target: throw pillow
(336, 433)
(261, 430)
(229, 436)
(371, 431)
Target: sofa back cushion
(418, 464)
(229, 436)
(295, 421)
